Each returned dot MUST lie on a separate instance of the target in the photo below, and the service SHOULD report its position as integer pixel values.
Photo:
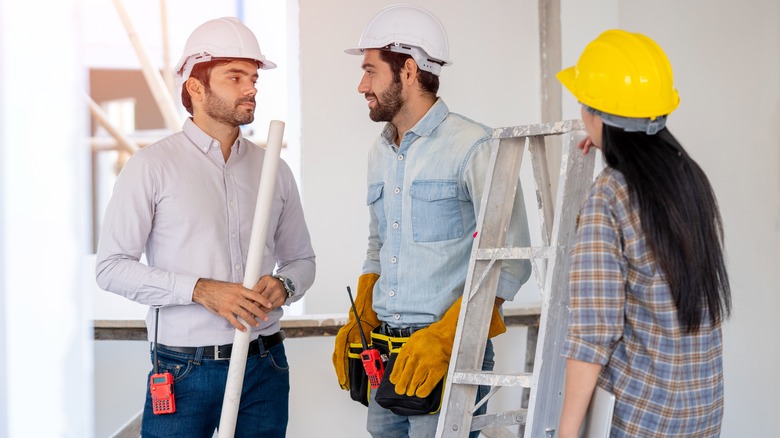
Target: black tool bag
(359, 386)
(386, 396)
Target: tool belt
(386, 340)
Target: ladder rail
(479, 293)
(464, 374)
(546, 398)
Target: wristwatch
(287, 283)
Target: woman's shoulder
(609, 182)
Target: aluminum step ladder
(550, 268)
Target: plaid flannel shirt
(667, 383)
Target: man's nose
(363, 86)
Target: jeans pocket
(277, 358)
(435, 210)
(177, 366)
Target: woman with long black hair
(648, 285)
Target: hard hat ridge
(223, 37)
(408, 29)
(624, 74)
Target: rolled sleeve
(596, 283)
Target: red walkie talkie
(161, 384)
(372, 360)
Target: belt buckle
(216, 353)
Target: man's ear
(409, 72)
(196, 89)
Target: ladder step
(497, 432)
(531, 252)
(490, 378)
(501, 419)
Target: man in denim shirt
(426, 175)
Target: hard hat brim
(566, 77)
(354, 51)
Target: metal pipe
(265, 194)
(153, 78)
(167, 71)
(97, 112)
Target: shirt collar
(425, 127)
(203, 141)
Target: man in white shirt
(188, 203)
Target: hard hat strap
(630, 124)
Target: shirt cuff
(508, 286)
(578, 349)
(371, 266)
(183, 288)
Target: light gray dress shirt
(191, 213)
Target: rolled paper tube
(265, 195)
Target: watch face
(287, 283)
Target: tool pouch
(402, 404)
(359, 385)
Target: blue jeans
(382, 423)
(199, 387)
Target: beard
(225, 112)
(390, 105)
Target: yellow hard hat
(625, 74)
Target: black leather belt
(397, 332)
(222, 352)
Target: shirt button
(401, 157)
(233, 236)
(238, 267)
(393, 260)
(397, 316)
(391, 293)
(397, 190)
(395, 225)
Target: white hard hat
(407, 29)
(220, 38)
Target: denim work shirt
(424, 200)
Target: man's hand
(423, 360)
(232, 300)
(273, 289)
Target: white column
(45, 349)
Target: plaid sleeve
(596, 280)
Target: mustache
(370, 95)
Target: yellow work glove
(423, 360)
(348, 334)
